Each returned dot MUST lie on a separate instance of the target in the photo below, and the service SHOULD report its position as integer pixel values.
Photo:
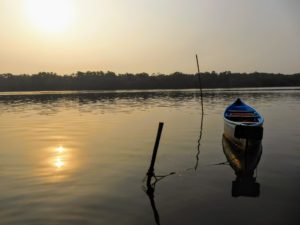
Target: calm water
(80, 158)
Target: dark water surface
(80, 158)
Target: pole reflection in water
(150, 190)
(199, 141)
(244, 162)
(150, 193)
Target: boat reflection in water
(244, 163)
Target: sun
(50, 15)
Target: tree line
(100, 80)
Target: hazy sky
(66, 36)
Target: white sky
(149, 36)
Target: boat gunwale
(259, 123)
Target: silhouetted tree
(99, 80)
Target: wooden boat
(243, 125)
(244, 164)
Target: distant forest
(45, 81)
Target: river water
(81, 157)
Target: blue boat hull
(243, 125)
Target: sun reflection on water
(59, 161)
(60, 149)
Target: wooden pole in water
(151, 168)
(202, 115)
(200, 84)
